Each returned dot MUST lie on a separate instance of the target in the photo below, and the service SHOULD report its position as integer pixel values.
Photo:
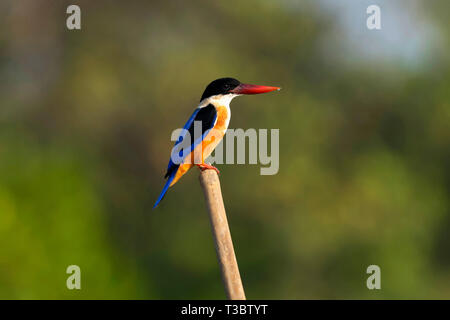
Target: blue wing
(207, 116)
(171, 166)
(164, 190)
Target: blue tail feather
(164, 190)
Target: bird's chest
(213, 138)
(223, 118)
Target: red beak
(252, 89)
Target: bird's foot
(205, 166)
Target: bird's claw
(205, 166)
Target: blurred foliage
(85, 124)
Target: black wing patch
(207, 116)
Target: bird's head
(232, 87)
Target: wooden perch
(221, 234)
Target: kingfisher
(208, 123)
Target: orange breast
(216, 134)
(204, 149)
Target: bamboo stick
(210, 183)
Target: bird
(212, 117)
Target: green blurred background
(85, 124)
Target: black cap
(220, 86)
